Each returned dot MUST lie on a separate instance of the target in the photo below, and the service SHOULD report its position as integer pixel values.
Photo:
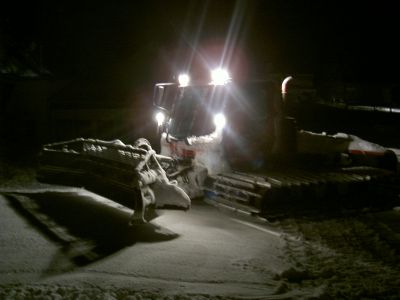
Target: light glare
(183, 80)
(160, 118)
(219, 121)
(220, 77)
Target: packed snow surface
(79, 246)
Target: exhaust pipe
(286, 129)
(283, 87)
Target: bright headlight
(219, 120)
(160, 118)
(183, 79)
(219, 77)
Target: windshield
(250, 105)
(194, 110)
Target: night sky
(141, 42)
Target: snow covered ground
(202, 254)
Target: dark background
(85, 38)
(65, 62)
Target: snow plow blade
(131, 175)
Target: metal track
(287, 189)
